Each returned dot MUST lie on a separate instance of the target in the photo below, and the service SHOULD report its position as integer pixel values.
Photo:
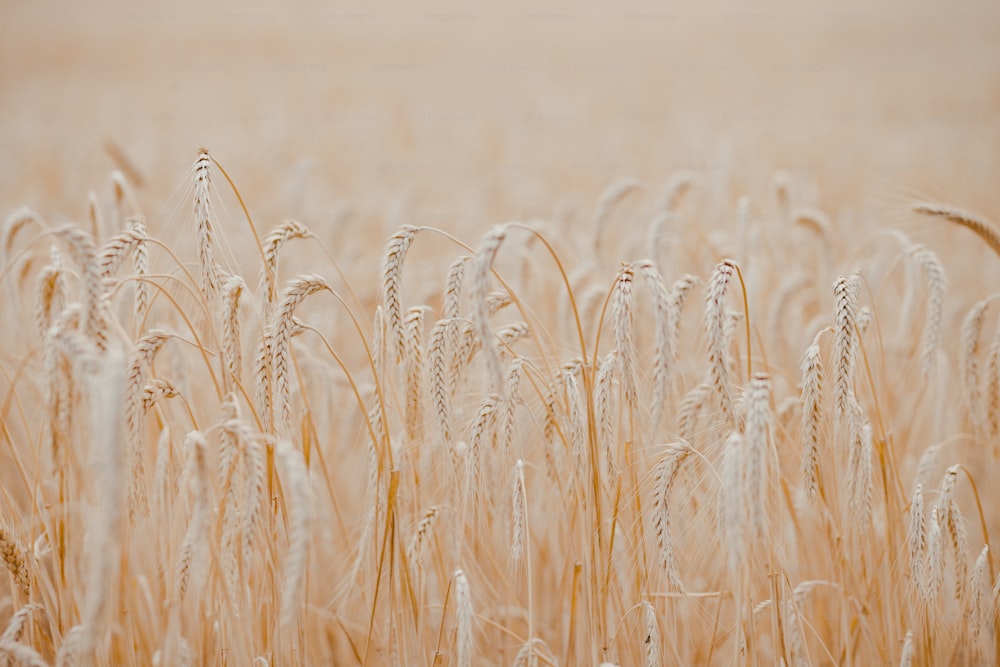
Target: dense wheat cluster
(530, 334)
(555, 442)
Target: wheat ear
(463, 603)
(203, 223)
(664, 477)
(621, 315)
(715, 325)
(481, 267)
(300, 512)
(606, 203)
(756, 438)
(812, 416)
(937, 288)
(982, 228)
(272, 243)
(846, 293)
(391, 299)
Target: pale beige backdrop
(495, 110)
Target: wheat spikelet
(481, 266)
(413, 364)
(440, 378)
(84, 253)
(15, 558)
(272, 243)
(972, 327)
(415, 551)
(157, 390)
(860, 474)
(510, 334)
(937, 287)
(482, 433)
(509, 401)
(191, 565)
(300, 512)
(604, 408)
(606, 203)
(756, 443)
(621, 315)
(230, 429)
(953, 525)
(976, 609)
(793, 634)
(519, 517)
(916, 537)
(734, 500)
(665, 351)
(203, 224)
(715, 325)
(983, 229)
(232, 348)
(652, 632)
(390, 298)
(933, 575)
(15, 221)
(846, 292)
(16, 624)
(140, 260)
(451, 300)
(992, 416)
(279, 332)
(263, 379)
(22, 654)
(136, 374)
(51, 292)
(909, 650)
(812, 416)
(689, 409)
(790, 285)
(255, 474)
(664, 477)
(463, 604)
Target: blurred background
(488, 111)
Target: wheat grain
(279, 332)
(440, 378)
(909, 650)
(621, 316)
(846, 292)
(463, 603)
(509, 401)
(756, 442)
(300, 515)
(203, 224)
(286, 231)
(715, 325)
(664, 477)
(604, 406)
(390, 297)
(519, 519)
(606, 203)
(232, 347)
(916, 537)
(191, 565)
(652, 632)
(51, 292)
(972, 327)
(665, 348)
(481, 266)
(937, 287)
(812, 415)
(15, 558)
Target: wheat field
(616, 348)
